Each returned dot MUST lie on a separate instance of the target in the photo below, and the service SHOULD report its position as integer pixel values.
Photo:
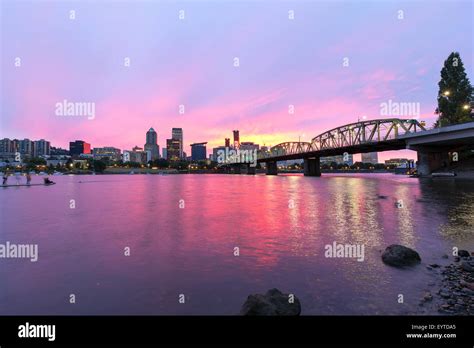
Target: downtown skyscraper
(177, 134)
(152, 144)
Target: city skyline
(294, 80)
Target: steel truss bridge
(360, 137)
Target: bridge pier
(236, 169)
(429, 161)
(251, 170)
(272, 168)
(311, 167)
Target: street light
(465, 107)
(446, 93)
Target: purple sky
(190, 62)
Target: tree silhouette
(455, 93)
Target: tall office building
(26, 147)
(198, 151)
(8, 146)
(165, 153)
(236, 139)
(173, 149)
(42, 148)
(136, 155)
(79, 147)
(177, 134)
(112, 153)
(152, 144)
(370, 157)
(8, 149)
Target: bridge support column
(251, 170)
(429, 161)
(272, 168)
(311, 167)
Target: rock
(427, 296)
(463, 253)
(457, 259)
(434, 265)
(399, 256)
(274, 302)
(467, 266)
(445, 256)
(467, 284)
(445, 294)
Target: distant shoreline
(467, 174)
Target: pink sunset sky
(190, 62)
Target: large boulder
(274, 302)
(400, 256)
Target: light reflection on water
(190, 250)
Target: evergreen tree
(455, 93)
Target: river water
(183, 232)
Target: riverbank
(452, 291)
(466, 174)
(457, 291)
(119, 170)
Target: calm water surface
(191, 251)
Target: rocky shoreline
(456, 293)
(454, 283)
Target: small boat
(132, 172)
(443, 175)
(58, 173)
